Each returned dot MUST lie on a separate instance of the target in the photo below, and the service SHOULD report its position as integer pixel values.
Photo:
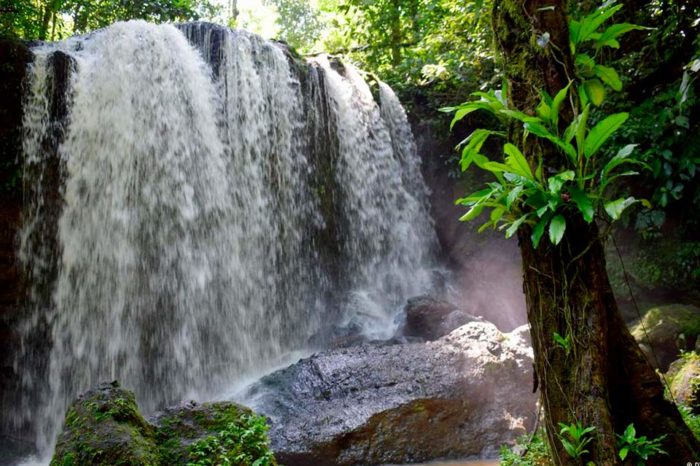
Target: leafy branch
(523, 194)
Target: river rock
(462, 395)
(665, 331)
(431, 318)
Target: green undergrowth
(529, 450)
(691, 419)
(532, 450)
(242, 442)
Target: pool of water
(456, 463)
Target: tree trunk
(602, 380)
(396, 35)
(45, 19)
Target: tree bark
(396, 33)
(603, 379)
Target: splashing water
(213, 204)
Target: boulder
(665, 331)
(104, 427)
(462, 395)
(212, 432)
(431, 318)
(684, 379)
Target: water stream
(199, 205)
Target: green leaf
(609, 76)
(571, 130)
(459, 114)
(594, 91)
(475, 197)
(607, 38)
(585, 64)
(557, 227)
(582, 95)
(583, 202)
(474, 143)
(465, 109)
(568, 447)
(616, 207)
(474, 212)
(602, 131)
(538, 231)
(574, 32)
(520, 116)
(581, 129)
(556, 182)
(517, 161)
(515, 225)
(620, 158)
(544, 111)
(496, 214)
(564, 343)
(592, 22)
(540, 131)
(495, 167)
(556, 103)
(513, 195)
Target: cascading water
(216, 203)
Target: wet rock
(207, 427)
(684, 379)
(462, 395)
(14, 57)
(665, 331)
(337, 336)
(104, 427)
(431, 318)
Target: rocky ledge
(462, 395)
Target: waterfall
(198, 204)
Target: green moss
(681, 318)
(683, 379)
(242, 442)
(213, 433)
(105, 427)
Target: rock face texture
(14, 57)
(462, 395)
(431, 318)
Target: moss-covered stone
(665, 331)
(192, 430)
(104, 427)
(683, 377)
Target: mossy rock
(211, 432)
(684, 379)
(665, 331)
(104, 427)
